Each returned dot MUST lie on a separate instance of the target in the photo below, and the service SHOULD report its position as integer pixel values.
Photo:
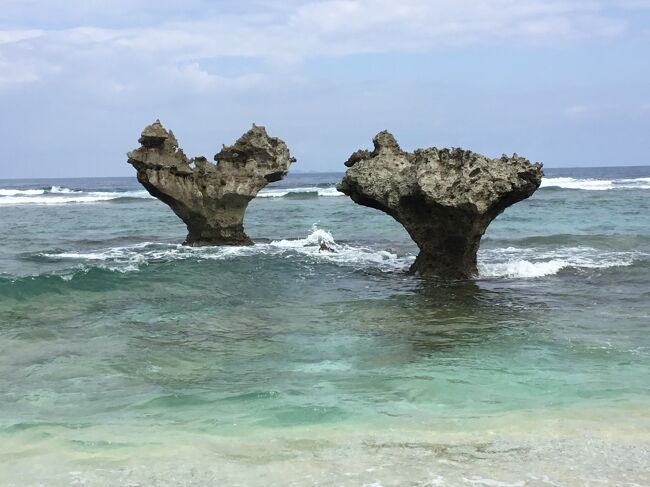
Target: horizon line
(299, 172)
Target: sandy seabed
(563, 447)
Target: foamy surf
(513, 262)
(283, 192)
(590, 184)
(57, 195)
(321, 247)
(21, 192)
(62, 190)
(131, 258)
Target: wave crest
(297, 192)
(57, 195)
(131, 258)
(20, 192)
(500, 263)
(513, 262)
(595, 184)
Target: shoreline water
(565, 447)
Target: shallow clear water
(126, 359)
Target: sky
(563, 82)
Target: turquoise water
(126, 359)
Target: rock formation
(210, 198)
(445, 198)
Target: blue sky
(564, 82)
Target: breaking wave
(61, 190)
(21, 192)
(57, 195)
(596, 184)
(297, 192)
(320, 247)
(514, 262)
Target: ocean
(127, 359)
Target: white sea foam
(129, 258)
(596, 184)
(58, 196)
(635, 180)
(512, 262)
(342, 253)
(281, 192)
(33, 192)
(509, 263)
(521, 268)
(62, 190)
(20, 192)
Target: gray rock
(445, 198)
(210, 198)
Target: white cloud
(281, 33)
(11, 36)
(192, 78)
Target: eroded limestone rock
(210, 198)
(445, 198)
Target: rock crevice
(210, 198)
(444, 198)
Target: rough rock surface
(210, 198)
(445, 198)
